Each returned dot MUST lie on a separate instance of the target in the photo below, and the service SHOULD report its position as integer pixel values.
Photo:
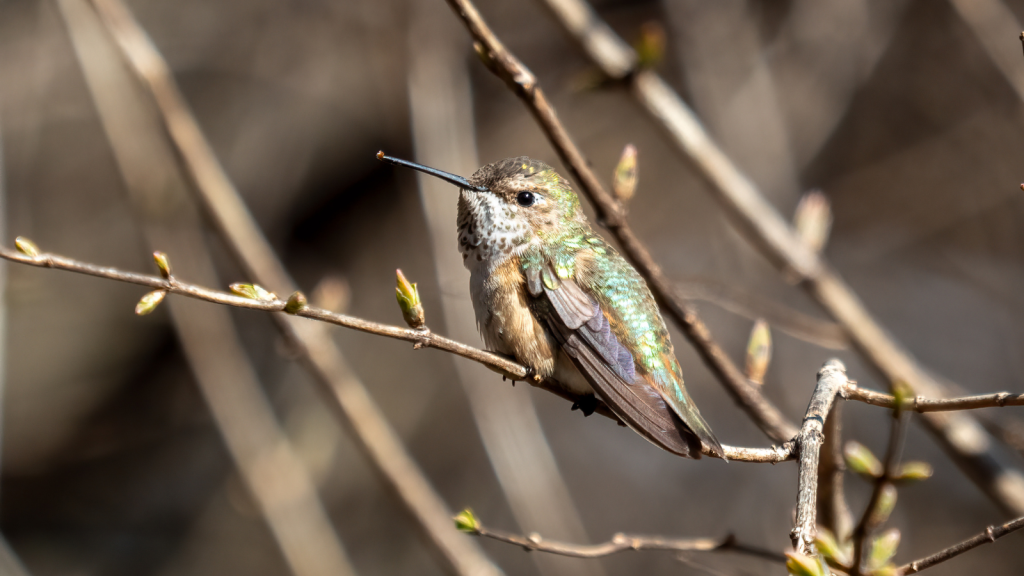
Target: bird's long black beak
(446, 176)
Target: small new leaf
(149, 302)
(884, 507)
(883, 548)
(26, 247)
(799, 565)
(860, 460)
(409, 301)
(813, 219)
(163, 263)
(625, 177)
(835, 553)
(889, 570)
(465, 521)
(296, 302)
(914, 471)
(759, 352)
(252, 291)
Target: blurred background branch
(278, 480)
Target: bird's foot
(586, 404)
(507, 375)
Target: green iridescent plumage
(564, 249)
(557, 297)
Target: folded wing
(586, 336)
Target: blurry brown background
(111, 464)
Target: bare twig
(521, 81)
(752, 305)
(991, 534)
(831, 379)
(922, 404)
(624, 542)
(780, 244)
(423, 338)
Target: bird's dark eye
(525, 198)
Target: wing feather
(585, 334)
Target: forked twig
(831, 379)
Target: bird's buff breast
(509, 327)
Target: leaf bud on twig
(625, 178)
(27, 247)
(883, 548)
(860, 460)
(830, 548)
(296, 302)
(465, 521)
(800, 565)
(759, 352)
(409, 301)
(149, 302)
(813, 219)
(252, 291)
(650, 46)
(885, 505)
(163, 263)
(914, 471)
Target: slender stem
(922, 404)
(991, 534)
(831, 379)
(623, 542)
(521, 81)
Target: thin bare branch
(521, 81)
(991, 534)
(422, 338)
(922, 404)
(831, 379)
(624, 542)
(752, 305)
(772, 234)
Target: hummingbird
(555, 296)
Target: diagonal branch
(422, 338)
(991, 534)
(767, 230)
(521, 81)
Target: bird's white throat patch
(490, 229)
